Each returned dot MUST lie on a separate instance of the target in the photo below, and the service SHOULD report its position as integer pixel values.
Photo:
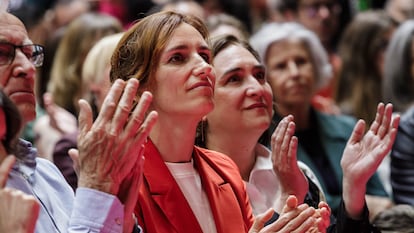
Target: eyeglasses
(313, 9)
(33, 52)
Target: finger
(135, 147)
(124, 106)
(293, 148)
(378, 119)
(74, 155)
(280, 147)
(291, 158)
(386, 120)
(260, 220)
(5, 167)
(85, 117)
(110, 103)
(390, 137)
(297, 220)
(357, 133)
(137, 117)
(291, 203)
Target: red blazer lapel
(229, 207)
(166, 193)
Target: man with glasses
(109, 154)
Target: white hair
(274, 32)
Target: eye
(6, 52)
(260, 76)
(301, 61)
(206, 57)
(281, 66)
(176, 58)
(27, 51)
(233, 78)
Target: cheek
(4, 77)
(275, 86)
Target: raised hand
(285, 165)
(110, 149)
(364, 153)
(59, 118)
(18, 211)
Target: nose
(254, 88)
(23, 67)
(293, 69)
(202, 68)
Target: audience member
(65, 81)
(297, 65)
(108, 179)
(327, 19)
(398, 88)
(19, 211)
(362, 50)
(95, 86)
(187, 188)
(243, 111)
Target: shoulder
(216, 157)
(219, 161)
(335, 124)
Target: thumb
(74, 155)
(260, 221)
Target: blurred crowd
(319, 66)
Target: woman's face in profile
(184, 79)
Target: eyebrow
(237, 69)
(181, 47)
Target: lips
(201, 84)
(257, 105)
(21, 96)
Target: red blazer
(162, 207)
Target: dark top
(402, 160)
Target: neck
(242, 152)
(173, 138)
